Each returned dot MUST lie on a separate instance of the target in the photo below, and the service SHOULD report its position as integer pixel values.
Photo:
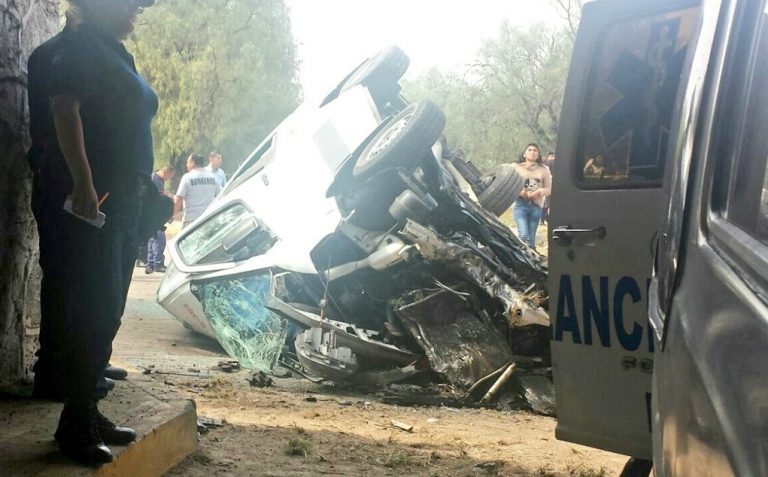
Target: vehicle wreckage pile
(459, 299)
(416, 282)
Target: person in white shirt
(196, 191)
(214, 166)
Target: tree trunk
(24, 24)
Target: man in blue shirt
(156, 243)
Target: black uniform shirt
(116, 104)
(40, 120)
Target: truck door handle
(564, 235)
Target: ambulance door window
(738, 222)
(747, 203)
(628, 110)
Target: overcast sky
(334, 36)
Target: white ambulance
(659, 237)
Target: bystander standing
(214, 166)
(156, 243)
(197, 189)
(538, 185)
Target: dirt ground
(281, 431)
(297, 428)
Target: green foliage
(509, 97)
(298, 446)
(225, 72)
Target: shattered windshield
(246, 329)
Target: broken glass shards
(246, 329)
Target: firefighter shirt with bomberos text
(198, 187)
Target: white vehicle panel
(182, 304)
(288, 195)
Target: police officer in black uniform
(91, 116)
(48, 380)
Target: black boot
(103, 387)
(115, 372)
(78, 436)
(111, 433)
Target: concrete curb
(172, 438)
(167, 430)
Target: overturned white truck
(353, 238)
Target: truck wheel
(504, 186)
(405, 140)
(636, 467)
(379, 73)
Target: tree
(570, 11)
(523, 71)
(508, 97)
(23, 26)
(225, 72)
(511, 94)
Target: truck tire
(379, 73)
(405, 140)
(636, 467)
(504, 185)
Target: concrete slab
(166, 426)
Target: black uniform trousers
(86, 275)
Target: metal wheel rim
(385, 140)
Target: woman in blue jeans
(538, 185)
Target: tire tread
(503, 191)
